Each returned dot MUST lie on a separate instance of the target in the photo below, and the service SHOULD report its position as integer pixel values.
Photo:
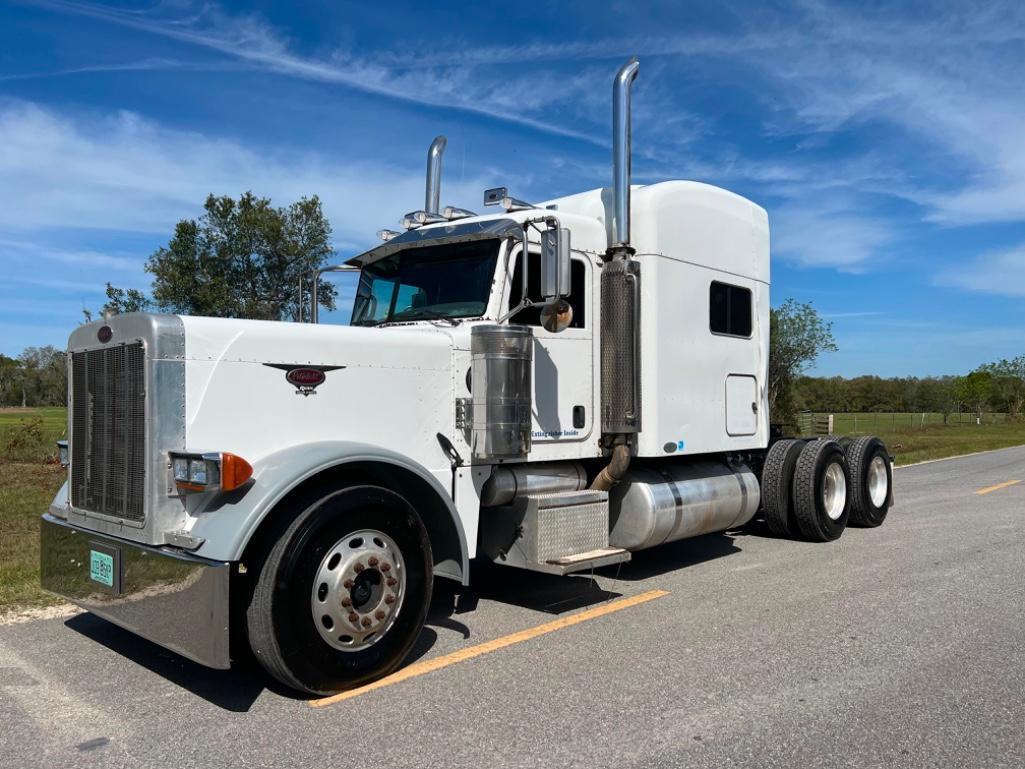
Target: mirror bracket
(555, 261)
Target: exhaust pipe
(432, 203)
(621, 154)
(620, 303)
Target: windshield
(445, 281)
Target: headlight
(63, 453)
(181, 468)
(214, 471)
(198, 472)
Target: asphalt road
(898, 646)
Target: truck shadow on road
(556, 595)
(238, 688)
(675, 555)
(235, 689)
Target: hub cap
(834, 491)
(358, 591)
(878, 481)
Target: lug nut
(347, 584)
(385, 566)
(365, 622)
(373, 561)
(389, 599)
(353, 617)
(346, 602)
(379, 613)
(358, 568)
(391, 581)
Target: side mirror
(555, 263)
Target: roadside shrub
(28, 441)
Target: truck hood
(255, 341)
(256, 387)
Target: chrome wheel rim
(358, 591)
(878, 481)
(834, 491)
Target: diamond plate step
(556, 533)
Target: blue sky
(886, 141)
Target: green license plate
(101, 568)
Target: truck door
(563, 394)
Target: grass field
(876, 421)
(26, 490)
(30, 435)
(55, 417)
(916, 437)
(29, 477)
(920, 444)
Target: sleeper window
(729, 309)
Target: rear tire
(295, 629)
(777, 487)
(822, 481)
(872, 480)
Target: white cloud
(827, 237)
(143, 65)
(854, 314)
(33, 253)
(511, 98)
(997, 272)
(947, 80)
(120, 172)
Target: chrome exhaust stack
(621, 160)
(620, 302)
(432, 200)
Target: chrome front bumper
(168, 597)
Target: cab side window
(532, 316)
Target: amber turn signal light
(234, 471)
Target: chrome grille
(108, 419)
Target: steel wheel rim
(878, 481)
(358, 592)
(834, 491)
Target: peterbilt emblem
(305, 379)
(105, 334)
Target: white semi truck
(551, 387)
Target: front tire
(343, 594)
(822, 482)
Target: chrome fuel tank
(661, 504)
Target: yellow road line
(429, 666)
(997, 487)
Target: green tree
(938, 394)
(975, 390)
(1008, 384)
(43, 377)
(797, 336)
(10, 381)
(240, 259)
(122, 300)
